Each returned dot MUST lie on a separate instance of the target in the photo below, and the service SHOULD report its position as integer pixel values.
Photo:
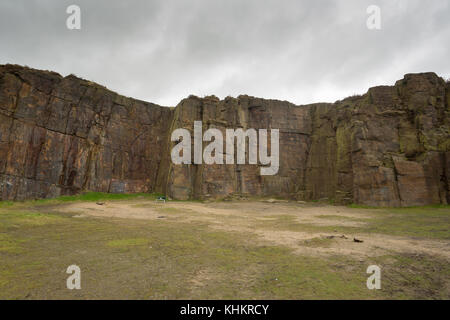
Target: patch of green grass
(314, 278)
(5, 275)
(340, 218)
(290, 223)
(414, 276)
(161, 259)
(238, 267)
(100, 196)
(85, 197)
(360, 206)
(12, 219)
(6, 204)
(9, 244)
(420, 209)
(431, 206)
(318, 242)
(419, 222)
(128, 242)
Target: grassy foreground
(164, 259)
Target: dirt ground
(256, 216)
(133, 247)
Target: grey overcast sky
(164, 50)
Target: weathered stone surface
(389, 147)
(64, 135)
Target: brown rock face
(389, 147)
(64, 135)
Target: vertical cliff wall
(64, 135)
(389, 147)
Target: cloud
(162, 51)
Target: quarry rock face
(64, 135)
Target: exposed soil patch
(273, 222)
(143, 249)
